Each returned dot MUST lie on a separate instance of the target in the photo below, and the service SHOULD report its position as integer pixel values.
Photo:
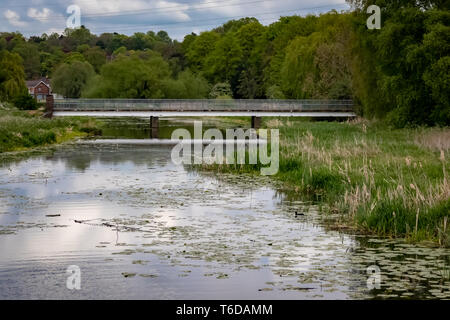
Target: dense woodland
(399, 73)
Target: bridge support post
(154, 128)
(49, 104)
(154, 133)
(154, 122)
(256, 122)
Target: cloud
(37, 15)
(14, 18)
(177, 17)
(97, 7)
(177, 10)
(134, 10)
(226, 9)
(104, 7)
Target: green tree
(298, 73)
(139, 41)
(235, 25)
(405, 59)
(69, 80)
(13, 39)
(250, 82)
(12, 76)
(187, 86)
(83, 48)
(275, 40)
(96, 57)
(119, 51)
(437, 78)
(200, 48)
(74, 56)
(25, 101)
(137, 76)
(2, 44)
(50, 60)
(274, 92)
(30, 56)
(196, 86)
(223, 64)
(75, 37)
(163, 36)
(318, 65)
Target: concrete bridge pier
(154, 128)
(256, 122)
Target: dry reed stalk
(434, 139)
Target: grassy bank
(380, 180)
(23, 130)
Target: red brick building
(39, 89)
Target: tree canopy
(70, 79)
(12, 75)
(399, 72)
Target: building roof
(35, 83)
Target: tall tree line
(399, 73)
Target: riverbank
(388, 182)
(25, 130)
(375, 179)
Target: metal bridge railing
(204, 105)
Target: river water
(140, 227)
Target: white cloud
(176, 11)
(178, 17)
(108, 6)
(165, 9)
(14, 18)
(39, 15)
(227, 9)
(99, 7)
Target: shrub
(221, 91)
(25, 102)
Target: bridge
(154, 109)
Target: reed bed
(392, 182)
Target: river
(139, 227)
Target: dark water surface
(140, 227)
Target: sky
(177, 17)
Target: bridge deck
(162, 114)
(202, 108)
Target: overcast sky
(178, 18)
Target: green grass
(384, 181)
(23, 130)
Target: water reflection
(140, 128)
(140, 227)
